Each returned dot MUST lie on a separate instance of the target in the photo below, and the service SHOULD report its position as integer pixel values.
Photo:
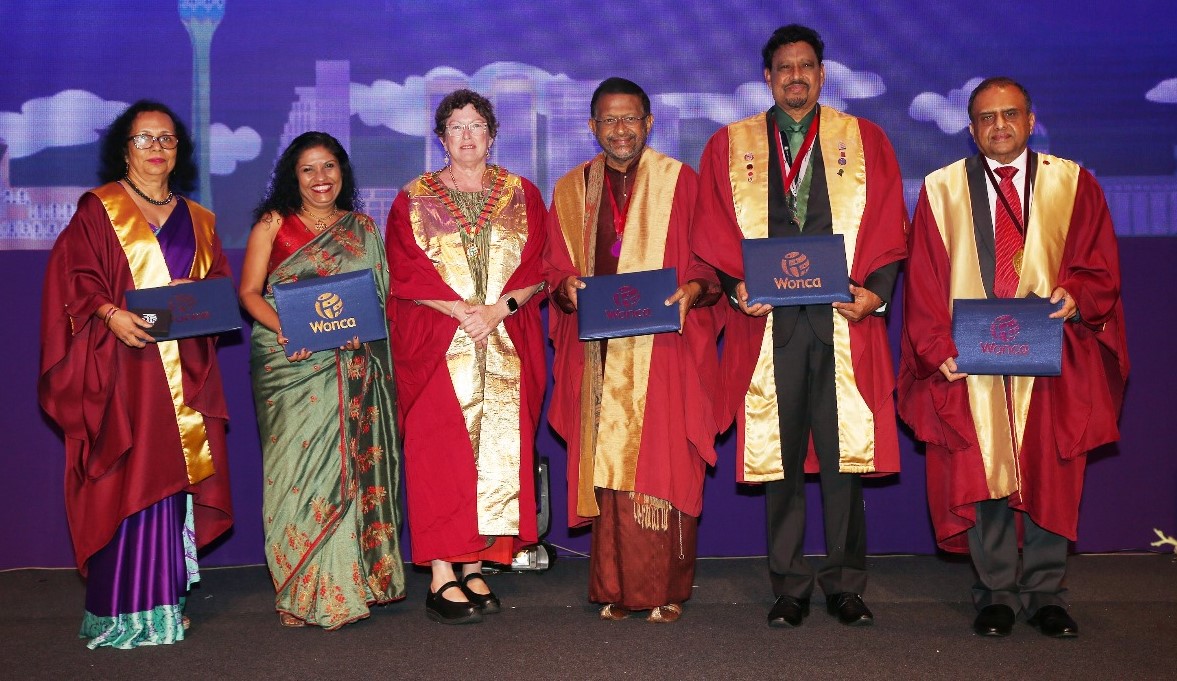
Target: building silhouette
(324, 106)
(32, 217)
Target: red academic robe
(1069, 414)
(679, 424)
(440, 475)
(881, 241)
(112, 402)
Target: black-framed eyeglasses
(627, 121)
(144, 141)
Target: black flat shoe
(446, 611)
(849, 609)
(994, 620)
(788, 612)
(488, 603)
(1053, 621)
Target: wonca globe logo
(1005, 328)
(627, 296)
(328, 305)
(795, 264)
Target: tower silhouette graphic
(201, 18)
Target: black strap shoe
(788, 612)
(995, 619)
(488, 603)
(849, 609)
(1053, 621)
(446, 611)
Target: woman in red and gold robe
(146, 474)
(464, 246)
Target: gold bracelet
(109, 314)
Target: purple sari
(137, 583)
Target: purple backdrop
(1130, 487)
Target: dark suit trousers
(807, 403)
(993, 546)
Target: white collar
(1019, 162)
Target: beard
(636, 144)
(796, 101)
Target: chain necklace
(321, 222)
(148, 199)
(498, 184)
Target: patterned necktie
(1007, 239)
(795, 137)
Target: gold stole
(489, 397)
(149, 270)
(613, 407)
(947, 189)
(748, 145)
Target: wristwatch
(512, 306)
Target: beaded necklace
(160, 202)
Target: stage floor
(1126, 606)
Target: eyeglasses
(477, 129)
(627, 121)
(144, 141)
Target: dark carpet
(1125, 606)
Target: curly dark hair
(113, 163)
(282, 194)
(787, 35)
(458, 99)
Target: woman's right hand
(299, 356)
(129, 328)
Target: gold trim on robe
(610, 459)
(150, 270)
(748, 144)
(488, 396)
(1055, 185)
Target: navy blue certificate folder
(327, 312)
(799, 270)
(631, 304)
(1008, 336)
(199, 308)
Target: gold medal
(1018, 261)
(472, 252)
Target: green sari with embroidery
(329, 445)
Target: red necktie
(1007, 239)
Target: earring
(447, 158)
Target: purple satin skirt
(143, 566)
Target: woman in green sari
(327, 420)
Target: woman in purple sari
(146, 475)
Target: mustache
(796, 82)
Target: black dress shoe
(488, 602)
(1053, 621)
(788, 612)
(849, 609)
(446, 611)
(994, 620)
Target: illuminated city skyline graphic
(250, 95)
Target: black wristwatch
(512, 306)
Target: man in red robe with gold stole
(636, 412)
(810, 379)
(1006, 454)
